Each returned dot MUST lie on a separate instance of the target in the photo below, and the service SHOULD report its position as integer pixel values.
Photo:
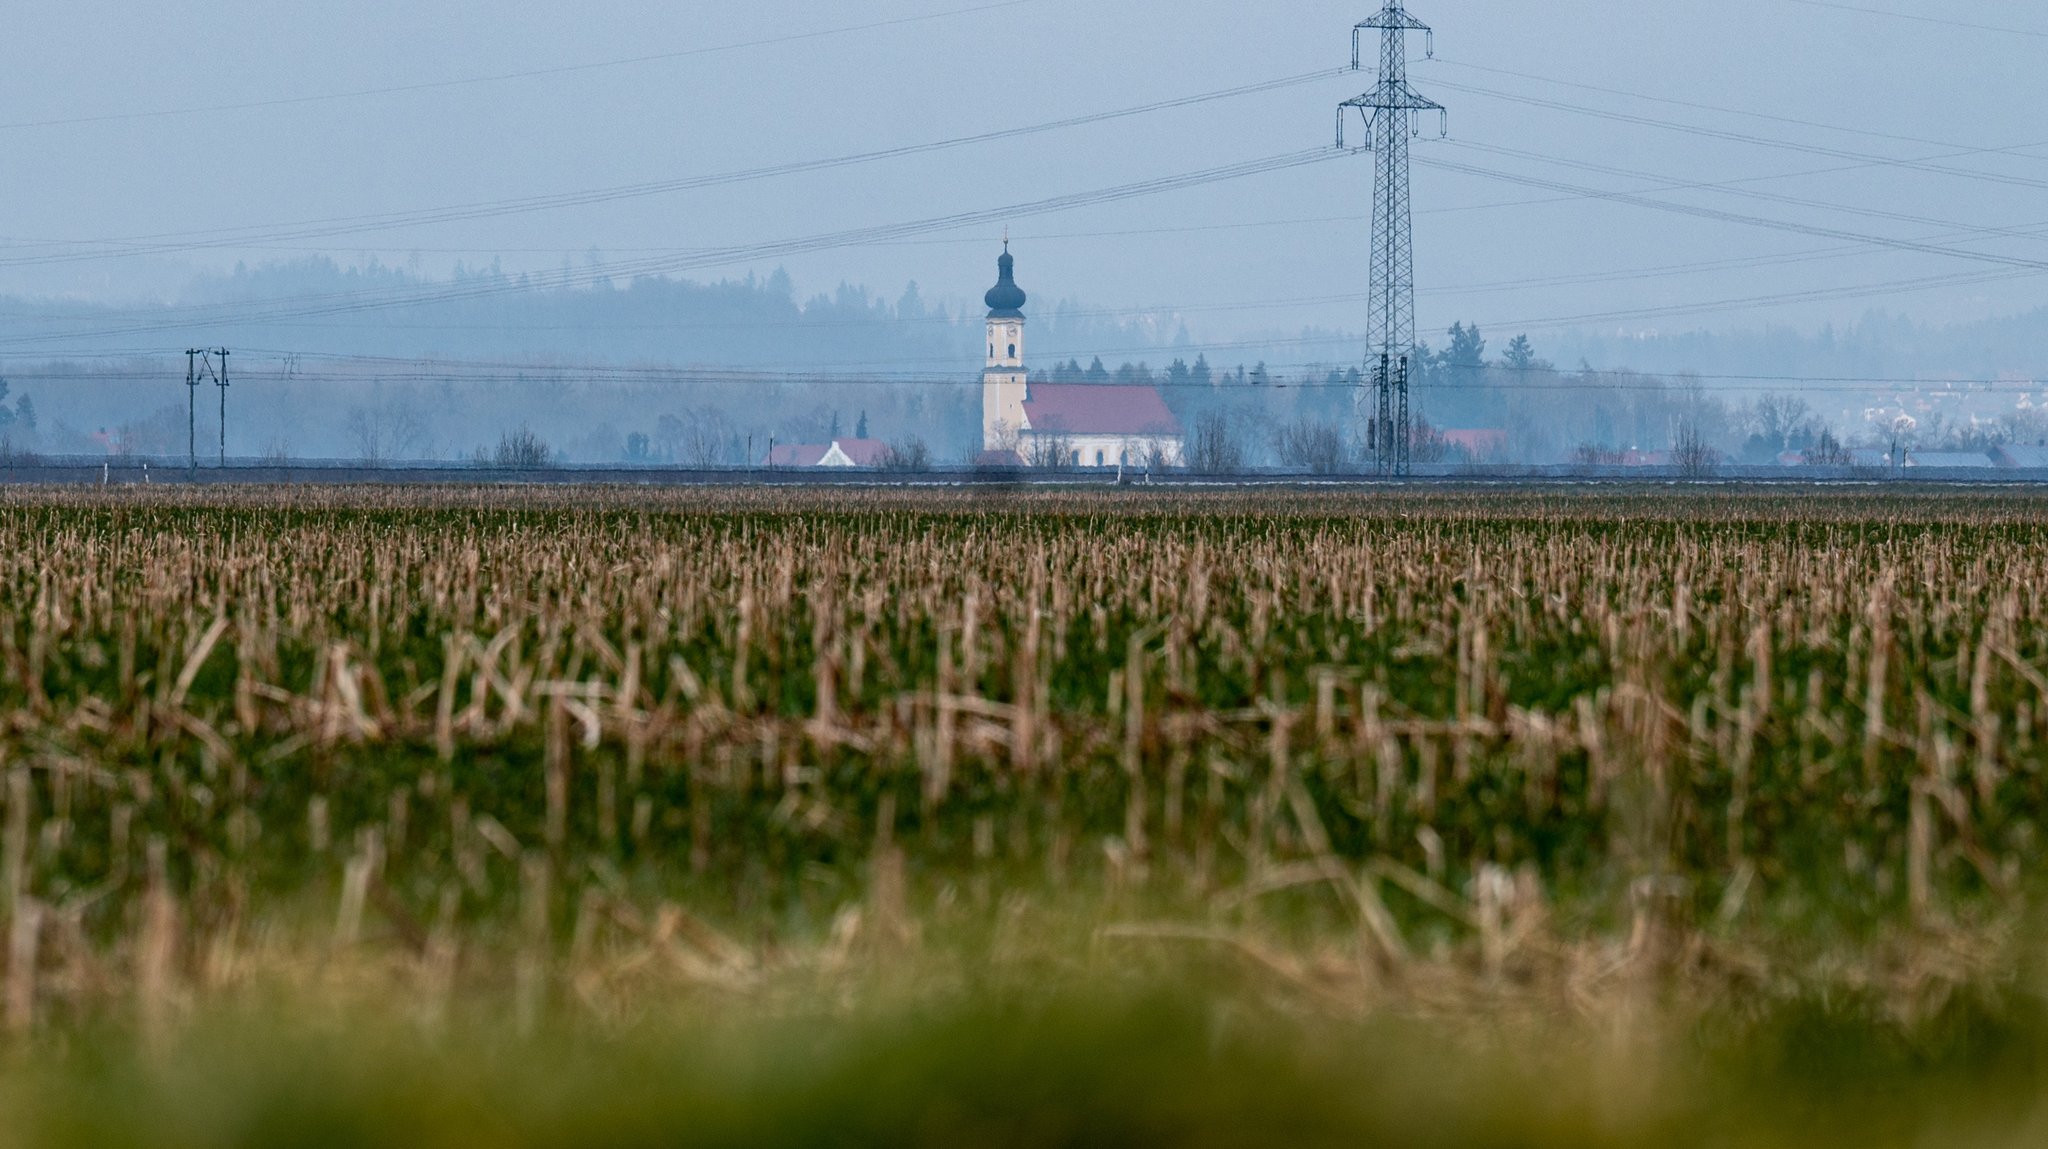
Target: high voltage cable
(719, 256)
(350, 302)
(1729, 188)
(1953, 231)
(1161, 310)
(1921, 18)
(511, 370)
(1639, 200)
(433, 296)
(533, 73)
(172, 242)
(1766, 116)
(610, 272)
(1532, 379)
(1766, 141)
(1858, 242)
(540, 203)
(1020, 237)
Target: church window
(1013, 350)
(1098, 458)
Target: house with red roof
(1062, 424)
(837, 453)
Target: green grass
(911, 817)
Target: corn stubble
(1580, 780)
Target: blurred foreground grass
(898, 817)
(1193, 1065)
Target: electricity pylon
(1392, 112)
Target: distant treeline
(671, 370)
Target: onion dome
(1005, 300)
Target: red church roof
(1098, 409)
(797, 454)
(859, 452)
(863, 452)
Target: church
(1062, 424)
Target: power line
(533, 73)
(1954, 231)
(609, 272)
(1718, 305)
(175, 242)
(394, 370)
(1922, 19)
(1729, 188)
(1696, 106)
(1784, 145)
(349, 302)
(1716, 214)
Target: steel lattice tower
(1390, 111)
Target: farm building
(1951, 460)
(1067, 424)
(2028, 457)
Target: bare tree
(910, 455)
(1779, 418)
(1313, 444)
(1827, 451)
(15, 455)
(384, 433)
(696, 438)
(1052, 453)
(1694, 457)
(1426, 444)
(520, 450)
(1213, 448)
(161, 433)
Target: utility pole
(222, 382)
(199, 367)
(192, 408)
(1391, 112)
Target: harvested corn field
(1647, 818)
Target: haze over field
(490, 181)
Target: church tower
(1004, 385)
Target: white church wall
(1118, 450)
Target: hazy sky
(1275, 251)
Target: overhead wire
(179, 242)
(1735, 188)
(349, 302)
(1694, 105)
(1815, 230)
(1767, 142)
(1922, 18)
(501, 77)
(1855, 242)
(699, 257)
(382, 370)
